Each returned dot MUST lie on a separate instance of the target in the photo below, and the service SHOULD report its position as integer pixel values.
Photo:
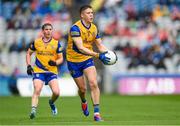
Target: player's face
(47, 31)
(88, 15)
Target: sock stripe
(83, 100)
(96, 105)
(96, 108)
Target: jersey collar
(47, 41)
(85, 25)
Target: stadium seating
(118, 29)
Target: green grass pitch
(115, 110)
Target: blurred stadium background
(145, 34)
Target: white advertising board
(67, 87)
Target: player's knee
(93, 85)
(37, 94)
(82, 89)
(56, 93)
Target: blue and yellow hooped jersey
(45, 52)
(88, 35)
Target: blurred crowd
(142, 32)
(22, 24)
(29, 14)
(148, 33)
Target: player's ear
(81, 15)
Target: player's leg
(38, 84)
(77, 74)
(82, 93)
(82, 88)
(55, 94)
(91, 76)
(55, 89)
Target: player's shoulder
(93, 26)
(38, 40)
(76, 25)
(75, 28)
(55, 40)
(79, 24)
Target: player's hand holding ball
(30, 70)
(103, 58)
(108, 57)
(52, 63)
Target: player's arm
(78, 42)
(28, 58)
(100, 46)
(102, 49)
(82, 49)
(76, 37)
(59, 59)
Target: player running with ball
(79, 55)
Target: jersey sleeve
(75, 31)
(59, 48)
(32, 46)
(98, 35)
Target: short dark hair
(46, 24)
(84, 7)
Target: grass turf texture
(115, 109)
